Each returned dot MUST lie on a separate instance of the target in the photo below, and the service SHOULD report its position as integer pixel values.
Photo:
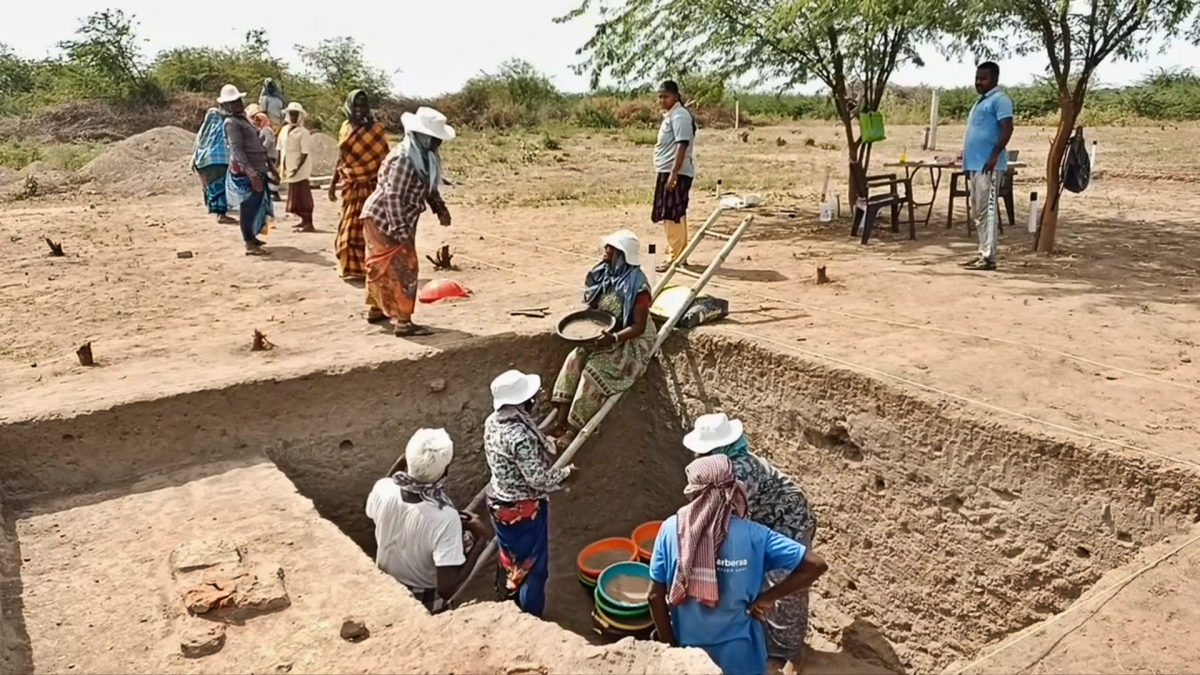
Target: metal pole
(612, 401)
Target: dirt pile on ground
(153, 162)
(324, 154)
(100, 122)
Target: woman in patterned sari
(362, 146)
(775, 502)
(210, 160)
(613, 363)
(409, 180)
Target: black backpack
(1077, 164)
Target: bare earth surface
(1096, 343)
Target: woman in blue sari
(210, 160)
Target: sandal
(257, 250)
(411, 330)
(375, 316)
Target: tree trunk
(852, 146)
(1048, 225)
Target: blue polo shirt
(983, 130)
(733, 639)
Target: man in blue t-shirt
(709, 566)
(985, 159)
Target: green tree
(1076, 38)
(340, 64)
(106, 57)
(850, 46)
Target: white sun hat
(513, 387)
(252, 110)
(626, 242)
(229, 93)
(429, 122)
(295, 106)
(712, 432)
(428, 454)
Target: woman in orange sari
(362, 146)
(411, 176)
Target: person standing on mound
(410, 178)
(248, 169)
(674, 160)
(362, 147)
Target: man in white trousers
(985, 159)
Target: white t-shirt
(293, 142)
(414, 539)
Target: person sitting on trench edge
(591, 374)
(420, 536)
(709, 565)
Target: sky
(432, 48)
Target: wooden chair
(897, 194)
(1005, 194)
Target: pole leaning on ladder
(589, 428)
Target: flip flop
(412, 330)
(257, 250)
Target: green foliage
(105, 60)
(339, 63)
(516, 95)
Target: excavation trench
(945, 532)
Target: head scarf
(210, 140)
(426, 160)
(716, 496)
(738, 448)
(270, 88)
(434, 493)
(348, 107)
(619, 277)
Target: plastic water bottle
(1033, 213)
(651, 270)
(1095, 153)
(720, 190)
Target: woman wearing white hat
(521, 460)
(776, 502)
(409, 179)
(591, 374)
(249, 166)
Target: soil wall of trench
(944, 531)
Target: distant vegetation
(101, 87)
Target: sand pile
(153, 162)
(324, 154)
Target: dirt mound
(324, 154)
(151, 163)
(101, 122)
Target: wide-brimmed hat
(229, 93)
(429, 122)
(626, 242)
(513, 387)
(428, 454)
(295, 106)
(711, 432)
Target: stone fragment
(201, 638)
(354, 629)
(200, 554)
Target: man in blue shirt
(985, 159)
(709, 566)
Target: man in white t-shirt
(419, 533)
(295, 148)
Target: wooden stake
(85, 354)
(55, 248)
(260, 342)
(821, 278)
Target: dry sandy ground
(1097, 343)
(110, 593)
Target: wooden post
(737, 113)
(935, 103)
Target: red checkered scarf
(716, 496)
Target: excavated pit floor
(945, 532)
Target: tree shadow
(19, 658)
